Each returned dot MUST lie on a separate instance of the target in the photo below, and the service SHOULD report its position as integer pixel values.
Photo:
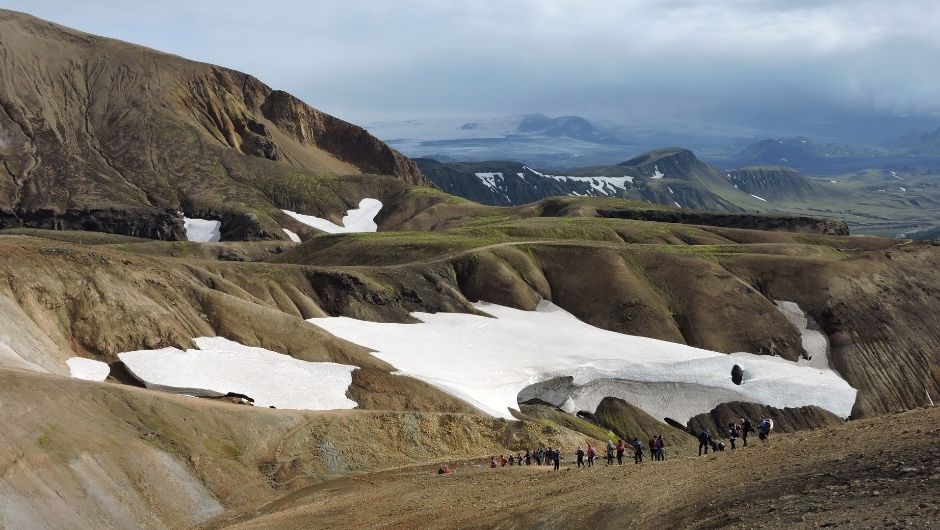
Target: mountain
(97, 133)
(776, 183)
(772, 152)
(672, 177)
(917, 143)
(574, 127)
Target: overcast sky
(733, 60)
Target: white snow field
(202, 230)
(292, 235)
(221, 366)
(493, 363)
(361, 219)
(88, 369)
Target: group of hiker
(733, 432)
(656, 445)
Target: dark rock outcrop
(785, 420)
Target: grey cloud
(639, 60)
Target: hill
(104, 135)
(777, 183)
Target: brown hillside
(104, 135)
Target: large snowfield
(493, 363)
(220, 366)
(361, 219)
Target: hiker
(637, 451)
(590, 455)
(662, 448)
(610, 453)
(746, 428)
(557, 458)
(549, 456)
(703, 438)
(652, 446)
(528, 457)
(493, 461)
(732, 433)
(538, 456)
(620, 448)
(502, 461)
(512, 460)
(763, 428)
(444, 470)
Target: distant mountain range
(673, 177)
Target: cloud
(640, 60)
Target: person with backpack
(538, 456)
(493, 462)
(732, 434)
(746, 428)
(503, 461)
(763, 429)
(528, 457)
(662, 448)
(620, 449)
(590, 454)
(637, 451)
(610, 453)
(704, 438)
(556, 457)
(580, 455)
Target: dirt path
(883, 471)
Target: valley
(222, 307)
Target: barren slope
(98, 134)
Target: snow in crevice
(677, 204)
(657, 174)
(292, 235)
(360, 219)
(493, 363)
(202, 230)
(220, 366)
(758, 198)
(88, 369)
(815, 343)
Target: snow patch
(815, 343)
(657, 174)
(551, 355)
(758, 198)
(677, 204)
(670, 189)
(361, 219)
(202, 230)
(602, 186)
(292, 235)
(88, 369)
(220, 366)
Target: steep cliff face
(89, 124)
